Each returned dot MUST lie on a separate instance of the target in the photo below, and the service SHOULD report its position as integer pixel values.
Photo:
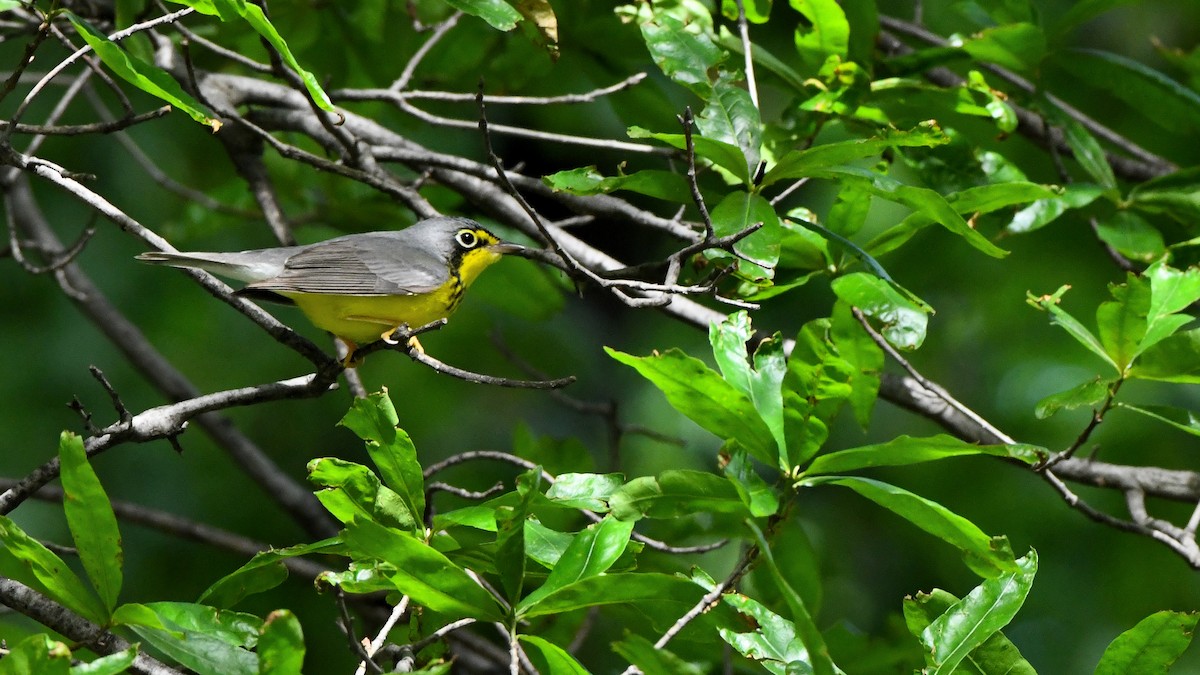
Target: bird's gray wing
(365, 264)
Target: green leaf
(590, 554)
(1060, 317)
(971, 201)
(970, 622)
(141, 74)
(204, 639)
(113, 664)
(1084, 146)
(1184, 420)
(725, 155)
(865, 357)
(760, 498)
(1121, 323)
(1044, 211)
(810, 161)
(588, 180)
(352, 491)
(25, 559)
(544, 545)
(1087, 394)
(91, 520)
(1081, 11)
(674, 494)
(921, 200)
(683, 55)
(740, 210)
(497, 13)
(757, 11)
(1175, 194)
(510, 558)
(557, 660)
(986, 556)
(730, 117)
(763, 381)
(421, 572)
(375, 421)
(1171, 291)
(1176, 108)
(1151, 646)
(280, 644)
(584, 490)
(802, 625)
(997, 654)
(37, 655)
(827, 32)
(905, 450)
(651, 660)
(703, 396)
(904, 322)
(262, 573)
(661, 590)
(773, 642)
(1132, 236)
(1016, 46)
(1174, 359)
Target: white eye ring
(466, 239)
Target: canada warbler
(363, 287)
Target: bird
(363, 287)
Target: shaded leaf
(987, 556)
(1090, 393)
(651, 182)
(556, 659)
(675, 493)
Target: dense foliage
(845, 323)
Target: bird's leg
(350, 360)
(389, 337)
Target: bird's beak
(504, 247)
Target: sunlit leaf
(422, 573)
(825, 33)
(706, 398)
(904, 322)
(967, 624)
(280, 644)
(905, 450)
(143, 75)
(1152, 646)
(91, 520)
(591, 553)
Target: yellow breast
(363, 318)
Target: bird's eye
(466, 239)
